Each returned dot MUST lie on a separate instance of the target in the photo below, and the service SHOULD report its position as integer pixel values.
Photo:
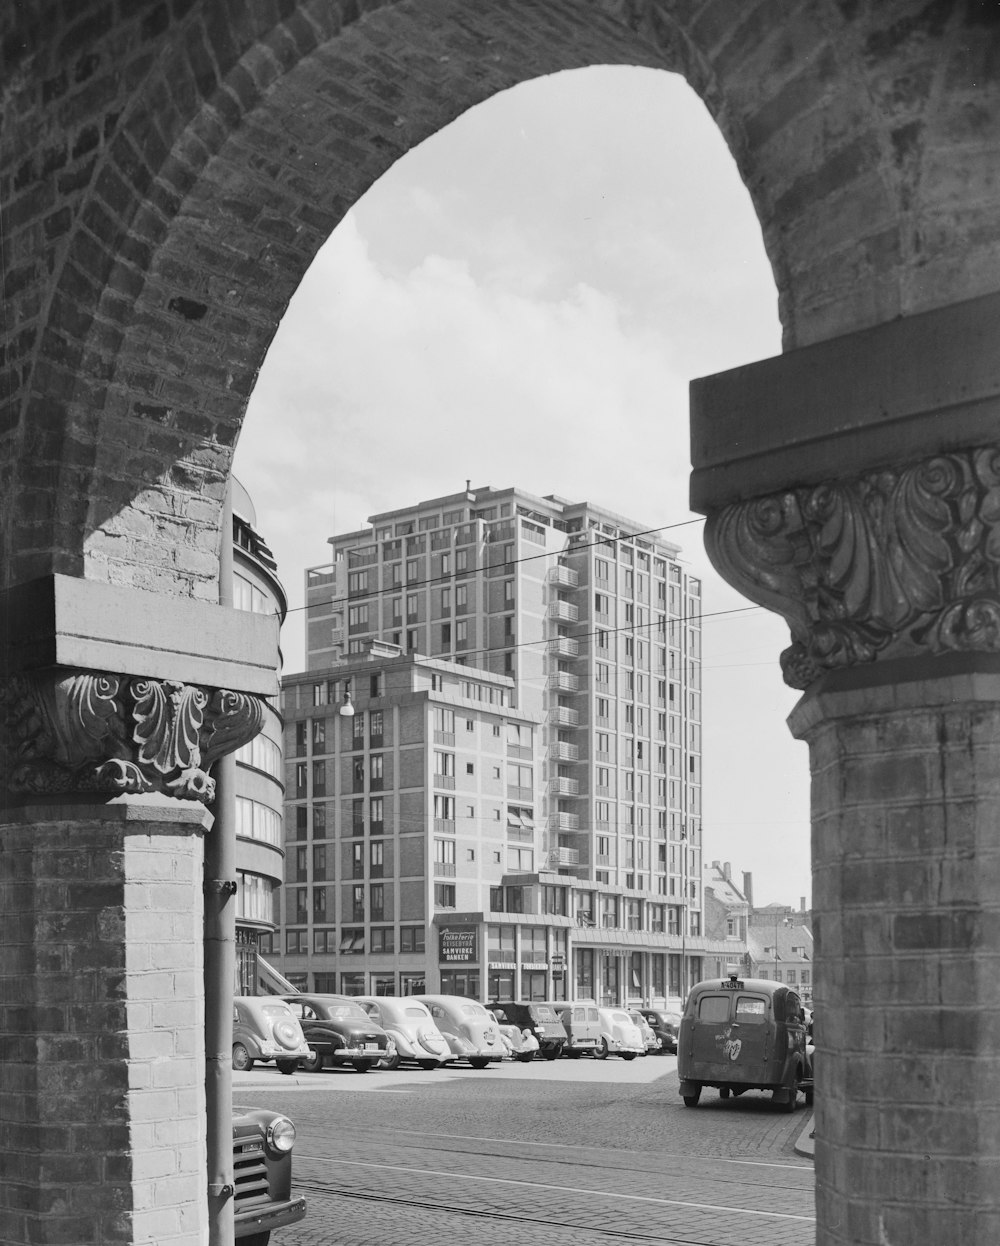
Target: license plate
(371, 1046)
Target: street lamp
(684, 912)
(346, 709)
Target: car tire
(628, 1055)
(552, 1053)
(287, 1066)
(526, 1057)
(601, 1050)
(691, 1101)
(242, 1059)
(478, 1062)
(427, 1065)
(391, 1062)
(313, 1063)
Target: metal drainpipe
(220, 959)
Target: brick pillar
(890, 582)
(102, 1054)
(102, 1090)
(906, 903)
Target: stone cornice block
(917, 386)
(62, 621)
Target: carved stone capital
(66, 731)
(897, 563)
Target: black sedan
(339, 1032)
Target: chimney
(717, 867)
(802, 904)
(727, 872)
(748, 887)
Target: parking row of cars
(317, 1031)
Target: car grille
(249, 1175)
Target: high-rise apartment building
(597, 625)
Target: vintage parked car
(582, 1026)
(619, 1035)
(262, 1171)
(521, 1044)
(539, 1019)
(411, 1027)
(649, 1039)
(339, 1032)
(665, 1024)
(471, 1032)
(265, 1028)
(744, 1034)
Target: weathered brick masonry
(168, 170)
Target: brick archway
(169, 174)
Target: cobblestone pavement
(583, 1152)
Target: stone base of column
(906, 903)
(102, 1023)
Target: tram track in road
(595, 1231)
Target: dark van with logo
(743, 1034)
(541, 1019)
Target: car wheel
(526, 1057)
(312, 1063)
(723, 1092)
(391, 1062)
(478, 1062)
(552, 1053)
(242, 1059)
(428, 1065)
(628, 1055)
(601, 1050)
(691, 1101)
(287, 1066)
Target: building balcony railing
(566, 577)
(523, 795)
(444, 780)
(564, 611)
(563, 681)
(561, 786)
(562, 751)
(444, 869)
(564, 858)
(565, 647)
(564, 822)
(562, 716)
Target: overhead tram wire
(396, 590)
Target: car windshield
(474, 1010)
(620, 1018)
(411, 1011)
(272, 1010)
(544, 1013)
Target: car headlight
(281, 1135)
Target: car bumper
(269, 1216)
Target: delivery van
(741, 1034)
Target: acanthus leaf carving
(65, 731)
(895, 563)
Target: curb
(806, 1144)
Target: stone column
(854, 487)
(106, 776)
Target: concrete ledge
(806, 1143)
(63, 621)
(927, 383)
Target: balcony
(564, 611)
(564, 858)
(561, 751)
(445, 781)
(444, 869)
(564, 717)
(564, 822)
(560, 786)
(565, 647)
(565, 577)
(563, 681)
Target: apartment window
(319, 778)
(462, 560)
(375, 771)
(319, 904)
(444, 765)
(412, 570)
(352, 940)
(358, 731)
(318, 734)
(357, 860)
(357, 618)
(358, 903)
(301, 904)
(444, 895)
(411, 938)
(462, 632)
(508, 592)
(300, 739)
(375, 728)
(444, 856)
(376, 816)
(382, 939)
(296, 942)
(437, 684)
(302, 779)
(376, 901)
(376, 859)
(319, 863)
(445, 634)
(319, 821)
(444, 809)
(520, 860)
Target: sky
(523, 300)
